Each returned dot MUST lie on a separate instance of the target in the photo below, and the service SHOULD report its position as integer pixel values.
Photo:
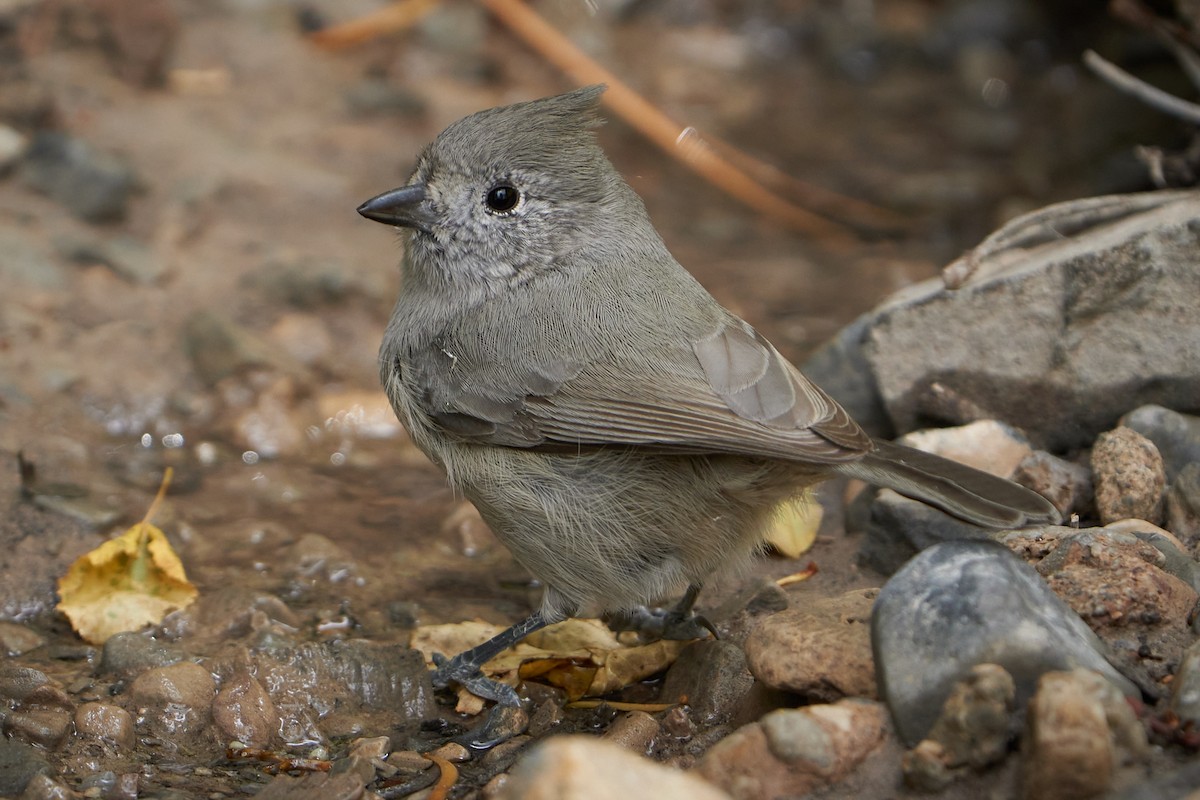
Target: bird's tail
(962, 491)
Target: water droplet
(249, 457)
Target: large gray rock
(1069, 317)
(963, 603)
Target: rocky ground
(185, 283)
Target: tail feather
(957, 489)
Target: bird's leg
(679, 623)
(464, 668)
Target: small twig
(389, 19)
(680, 142)
(446, 780)
(798, 577)
(1150, 95)
(649, 708)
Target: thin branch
(681, 142)
(1150, 95)
(392, 18)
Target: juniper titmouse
(622, 433)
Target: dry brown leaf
(795, 527)
(582, 656)
(126, 583)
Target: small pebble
(409, 761)
(1129, 476)
(452, 752)
(1064, 483)
(12, 146)
(16, 639)
(46, 727)
(103, 721)
(635, 731)
(1177, 436)
(1080, 730)
(244, 711)
(94, 186)
(793, 752)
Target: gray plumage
(622, 433)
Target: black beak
(403, 207)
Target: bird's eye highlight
(502, 197)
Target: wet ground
(227, 325)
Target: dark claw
(657, 623)
(502, 723)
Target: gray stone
(964, 603)
(1177, 436)
(127, 654)
(94, 186)
(1067, 322)
(900, 527)
(1183, 507)
(125, 255)
(19, 763)
(1185, 689)
(18, 682)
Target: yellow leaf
(795, 527)
(126, 583)
(580, 655)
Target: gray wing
(726, 390)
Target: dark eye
(502, 197)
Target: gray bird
(622, 433)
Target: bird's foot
(467, 673)
(653, 624)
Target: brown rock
(104, 721)
(243, 711)
(976, 724)
(16, 639)
(47, 727)
(1065, 484)
(1080, 731)
(635, 731)
(1129, 476)
(791, 752)
(974, 730)
(822, 651)
(986, 444)
(587, 768)
(178, 698)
